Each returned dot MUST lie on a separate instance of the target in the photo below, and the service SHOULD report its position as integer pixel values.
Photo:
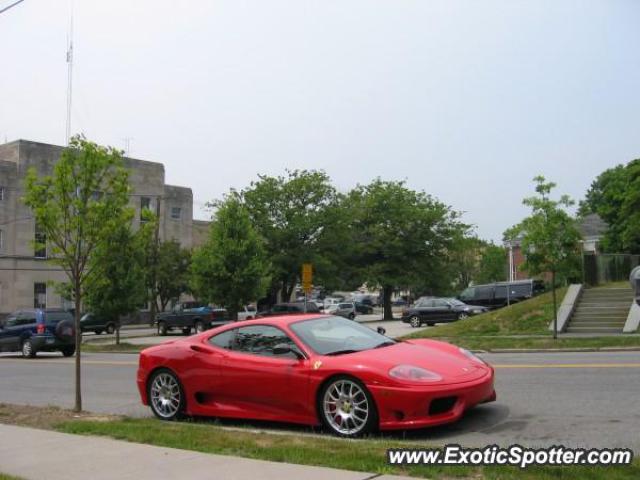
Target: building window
(40, 244)
(176, 213)
(145, 204)
(1, 194)
(39, 295)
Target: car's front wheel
(27, 349)
(347, 408)
(463, 315)
(166, 396)
(415, 321)
(352, 316)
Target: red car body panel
(224, 383)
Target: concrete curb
(552, 350)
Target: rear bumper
(409, 408)
(42, 343)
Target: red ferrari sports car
(313, 369)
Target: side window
(11, 321)
(279, 308)
(440, 303)
(223, 340)
(260, 340)
(484, 293)
(26, 318)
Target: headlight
(471, 356)
(414, 374)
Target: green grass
(366, 455)
(523, 325)
(8, 477)
(112, 347)
(530, 317)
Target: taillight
(40, 328)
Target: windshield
(335, 335)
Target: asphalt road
(577, 399)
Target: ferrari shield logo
(317, 365)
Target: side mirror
(381, 330)
(285, 349)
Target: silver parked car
(344, 309)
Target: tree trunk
(386, 302)
(232, 313)
(118, 332)
(77, 297)
(152, 309)
(555, 306)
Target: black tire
(27, 349)
(98, 332)
(415, 321)
(352, 316)
(111, 328)
(372, 417)
(199, 326)
(182, 402)
(68, 351)
(162, 328)
(186, 330)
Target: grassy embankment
(523, 325)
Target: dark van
(34, 330)
(501, 294)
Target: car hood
(442, 358)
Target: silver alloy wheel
(199, 327)
(345, 407)
(415, 322)
(165, 394)
(27, 349)
(462, 316)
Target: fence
(608, 267)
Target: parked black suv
(437, 310)
(35, 330)
(501, 294)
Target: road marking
(67, 362)
(569, 365)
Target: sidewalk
(44, 455)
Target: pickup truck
(189, 316)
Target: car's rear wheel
(166, 395)
(162, 328)
(27, 349)
(68, 351)
(463, 315)
(111, 328)
(199, 326)
(352, 316)
(415, 321)
(347, 408)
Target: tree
(295, 216)
(118, 287)
(477, 261)
(549, 237)
(172, 272)
(231, 268)
(402, 237)
(77, 208)
(493, 264)
(615, 196)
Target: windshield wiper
(340, 352)
(385, 344)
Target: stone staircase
(601, 310)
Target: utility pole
(154, 261)
(69, 76)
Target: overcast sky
(467, 100)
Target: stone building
(25, 274)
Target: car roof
(279, 319)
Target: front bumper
(409, 407)
(44, 342)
